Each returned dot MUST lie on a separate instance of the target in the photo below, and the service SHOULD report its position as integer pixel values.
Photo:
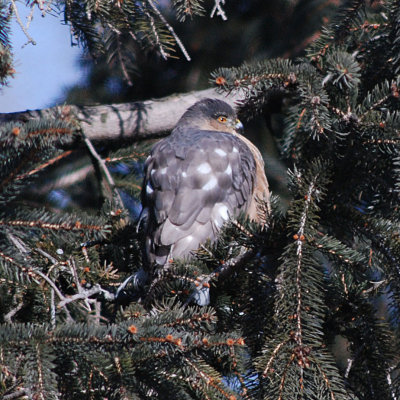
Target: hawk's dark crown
(208, 109)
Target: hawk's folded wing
(195, 180)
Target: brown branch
(272, 358)
(77, 226)
(44, 165)
(127, 121)
(23, 162)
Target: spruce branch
(189, 8)
(207, 379)
(169, 27)
(300, 238)
(325, 378)
(45, 165)
(314, 274)
(16, 395)
(40, 392)
(27, 271)
(274, 353)
(63, 226)
(158, 43)
(294, 356)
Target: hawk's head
(211, 115)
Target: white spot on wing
(228, 169)
(235, 150)
(163, 170)
(223, 212)
(204, 168)
(184, 174)
(149, 189)
(220, 152)
(220, 214)
(217, 223)
(210, 184)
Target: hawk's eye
(222, 119)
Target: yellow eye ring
(222, 119)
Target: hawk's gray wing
(194, 181)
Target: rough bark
(127, 121)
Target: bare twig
(56, 290)
(47, 255)
(348, 368)
(9, 316)
(52, 309)
(217, 8)
(21, 24)
(29, 18)
(97, 308)
(110, 184)
(50, 282)
(390, 383)
(72, 267)
(18, 243)
(85, 294)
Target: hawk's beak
(239, 126)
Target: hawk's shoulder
(188, 140)
(197, 155)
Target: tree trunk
(126, 121)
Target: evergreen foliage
(322, 272)
(253, 29)
(6, 69)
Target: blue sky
(43, 70)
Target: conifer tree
(304, 307)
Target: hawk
(198, 178)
